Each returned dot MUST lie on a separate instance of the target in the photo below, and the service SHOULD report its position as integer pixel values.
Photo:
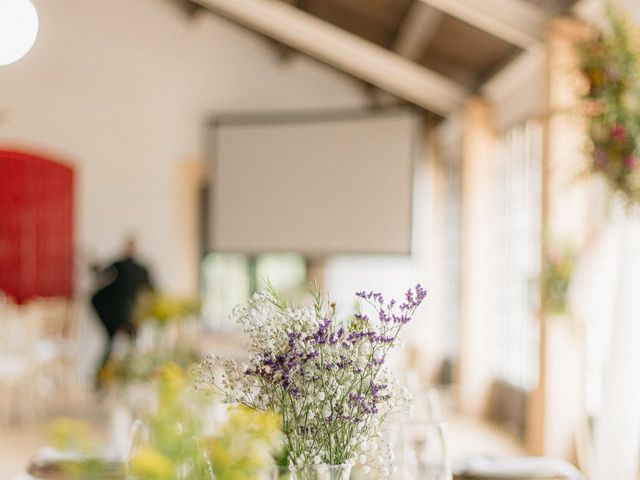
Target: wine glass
(423, 451)
(138, 438)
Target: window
(228, 279)
(287, 272)
(517, 242)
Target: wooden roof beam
(514, 21)
(348, 52)
(417, 30)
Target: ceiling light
(18, 29)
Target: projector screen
(318, 185)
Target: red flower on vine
(619, 133)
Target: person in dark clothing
(114, 302)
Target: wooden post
(556, 407)
(475, 329)
(190, 178)
(316, 272)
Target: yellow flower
(69, 434)
(150, 464)
(173, 381)
(172, 374)
(166, 308)
(243, 449)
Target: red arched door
(36, 226)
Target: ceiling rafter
(417, 30)
(514, 74)
(514, 21)
(348, 52)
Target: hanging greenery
(610, 64)
(559, 267)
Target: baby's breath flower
(326, 376)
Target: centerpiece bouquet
(171, 442)
(175, 447)
(326, 376)
(164, 308)
(167, 332)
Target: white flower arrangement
(325, 376)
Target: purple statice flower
(319, 370)
(413, 299)
(371, 296)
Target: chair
(55, 348)
(18, 389)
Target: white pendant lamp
(18, 29)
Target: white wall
(120, 89)
(631, 7)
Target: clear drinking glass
(138, 438)
(423, 451)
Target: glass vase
(303, 472)
(322, 472)
(280, 472)
(332, 472)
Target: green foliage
(174, 433)
(559, 267)
(609, 63)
